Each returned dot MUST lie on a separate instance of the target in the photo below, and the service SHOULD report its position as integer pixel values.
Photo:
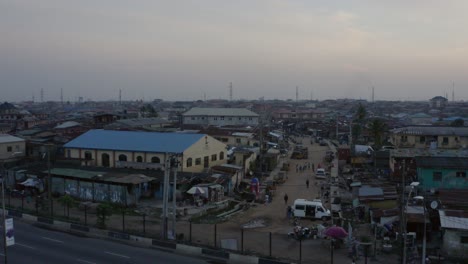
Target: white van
(310, 209)
(320, 173)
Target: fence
(224, 237)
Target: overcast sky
(184, 50)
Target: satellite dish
(434, 204)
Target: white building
(11, 147)
(220, 117)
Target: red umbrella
(336, 232)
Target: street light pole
(423, 257)
(3, 214)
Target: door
(310, 211)
(320, 212)
(206, 162)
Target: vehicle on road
(312, 209)
(320, 173)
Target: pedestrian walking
(286, 198)
(307, 183)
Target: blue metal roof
(134, 141)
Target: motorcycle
(300, 233)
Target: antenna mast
(230, 91)
(297, 94)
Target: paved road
(36, 245)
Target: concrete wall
(452, 243)
(449, 179)
(12, 150)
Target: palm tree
(377, 128)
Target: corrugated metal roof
(5, 138)
(67, 125)
(134, 141)
(198, 111)
(83, 174)
(442, 162)
(452, 222)
(431, 131)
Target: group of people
(306, 166)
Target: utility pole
(402, 213)
(165, 195)
(175, 166)
(49, 180)
(4, 212)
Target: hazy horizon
(186, 50)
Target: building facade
(430, 137)
(220, 117)
(146, 150)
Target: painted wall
(449, 179)
(98, 192)
(208, 146)
(12, 150)
(205, 147)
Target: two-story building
(146, 150)
(430, 137)
(220, 117)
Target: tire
(324, 218)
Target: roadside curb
(179, 248)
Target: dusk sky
(181, 50)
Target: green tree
(103, 211)
(377, 129)
(359, 120)
(67, 201)
(458, 122)
(148, 110)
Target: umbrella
(196, 190)
(336, 232)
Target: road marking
(54, 240)
(23, 245)
(85, 261)
(118, 255)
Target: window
(224, 140)
(238, 140)
(193, 118)
(222, 118)
(155, 160)
(213, 157)
(197, 161)
(230, 119)
(122, 157)
(215, 118)
(221, 155)
(463, 239)
(88, 155)
(9, 149)
(445, 141)
(422, 139)
(240, 118)
(139, 159)
(461, 174)
(404, 138)
(250, 118)
(300, 207)
(437, 176)
(17, 147)
(189, 162)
